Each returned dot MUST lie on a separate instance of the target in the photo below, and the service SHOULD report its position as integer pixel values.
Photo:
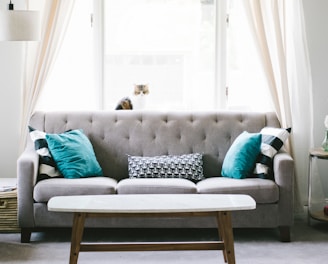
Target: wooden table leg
(77, 234)
(221, 235)
(226, 234)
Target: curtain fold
(279, 32)
(40, 57)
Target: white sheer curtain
(279, 31)
(40, 57)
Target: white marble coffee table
(153, 205)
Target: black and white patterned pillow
(272, 141)
(47, 165)
(187, 166)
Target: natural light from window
(71, 86)
(170, 45)
(167, 44)
(245, 77)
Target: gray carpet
(252, 246)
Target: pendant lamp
(19, 25)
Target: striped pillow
(47, 165)
(272, 141)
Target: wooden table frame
(218, 206)
(225, 233)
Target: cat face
(141, 89)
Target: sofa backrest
(116, 134)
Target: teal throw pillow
(240, 159)
(73, 154)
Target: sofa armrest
(27, 170)
(283, 169)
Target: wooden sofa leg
(26, 235)
(284, 232)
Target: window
(177, 47)
(246, 83)
(167, 44)
(70, 85)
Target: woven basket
(8, 212)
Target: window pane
(167, 44)
(70, 85)
(248, 88)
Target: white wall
(10, 86)
(10, 79)
(317, 34)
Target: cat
(124, 104)
(140, 95)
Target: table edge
(250, 206)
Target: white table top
(151, 203)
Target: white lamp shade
(19, 25)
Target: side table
(316, 206)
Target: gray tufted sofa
(115, 134)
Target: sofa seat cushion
(262, 190)
(156, 186)
(46, 189)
